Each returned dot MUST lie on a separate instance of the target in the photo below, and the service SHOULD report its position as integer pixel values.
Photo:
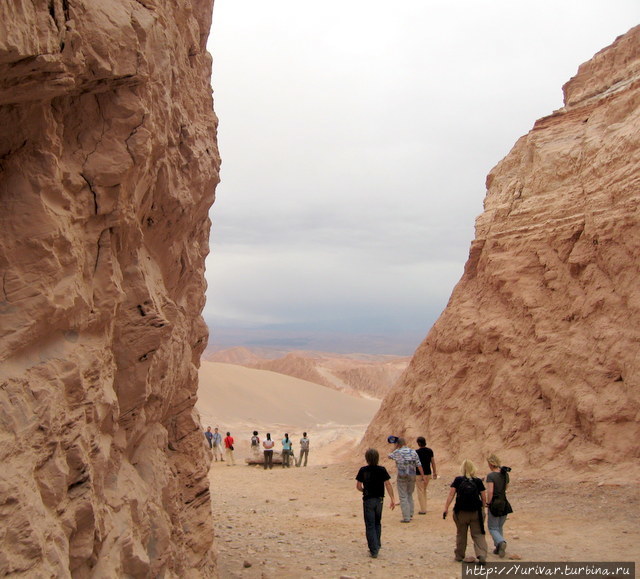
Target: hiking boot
(502, 547)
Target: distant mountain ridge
(366, 375)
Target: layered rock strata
(536, 354)
(108, 165)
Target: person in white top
(267, 444)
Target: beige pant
(421, 491)
(469, 520)
(229, 454)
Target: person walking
(428, 463)
(408, 463)
(267, 445)
(216, 440)
(372, 481)
(499, 507)
(304, 449)
(468, 512)
(228, 449)
(286, 451)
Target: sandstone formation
(536, 355)
(108, 165)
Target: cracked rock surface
(108, 167)
(536, 354)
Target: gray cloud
(356, 137)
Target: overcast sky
(355, 138)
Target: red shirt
(228, 441)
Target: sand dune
(242, 399)
(371, 376)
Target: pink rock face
(536, 355)
(108, 166)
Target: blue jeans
(495, 525)
(372, 508)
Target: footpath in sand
(307, 522)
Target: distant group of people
(288, 455)
(414, 467)
(216, 443)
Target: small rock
(515, 536)
(515, 557)
(293, 499)
(246, 564)
(307, 568)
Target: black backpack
(468, 496)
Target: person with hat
(408, 463)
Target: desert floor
(307, 522)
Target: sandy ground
(307, 522)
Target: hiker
(209, 436)
(429, 467)
(468, 512)
(499, 507)
(267, 444)
(372, 480)
(217, 444)
(286, 451)
(408, 463)
(304, 449)
(228, 449)
(255, 443)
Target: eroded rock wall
(108, 166)
(536, 356)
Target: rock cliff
(536, 355)
(108, 166)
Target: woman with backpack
(255, 443)
(470, 497)
(499, 507)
